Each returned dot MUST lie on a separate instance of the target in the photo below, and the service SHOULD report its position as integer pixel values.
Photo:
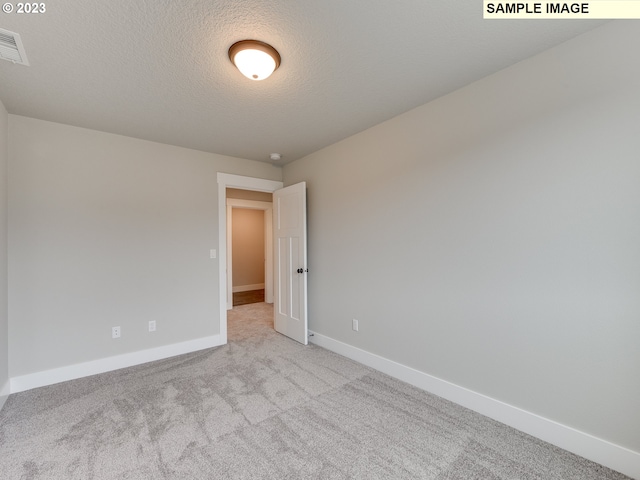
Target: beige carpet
(263, 407)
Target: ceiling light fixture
(256, 60)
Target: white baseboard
(248, 288)
(79, 370)
(592, 448)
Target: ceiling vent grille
(11, 48)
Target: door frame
(227, 180)
(267, 209)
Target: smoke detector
(11, 48)
(275, 157)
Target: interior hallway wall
(490, 238)
(248, 248)
(249, 195)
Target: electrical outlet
(115, 332)
(152, 326)
(354, 325)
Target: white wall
(104, 231)
(4, 322)
(491, 238)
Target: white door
(290, 261)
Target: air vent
(11, 48)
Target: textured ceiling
(158, 69)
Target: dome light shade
(256, 60)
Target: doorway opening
(289, 253)
(249, 247)
(229, 181)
